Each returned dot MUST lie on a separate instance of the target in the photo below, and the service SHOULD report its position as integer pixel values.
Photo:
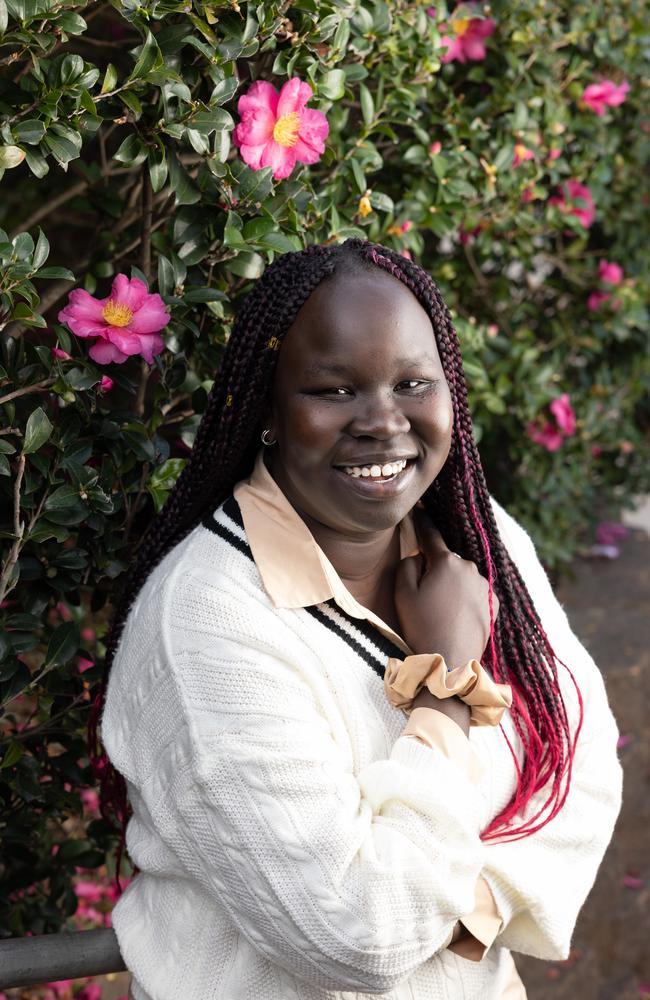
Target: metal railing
(46, 958)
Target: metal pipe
(46, 958)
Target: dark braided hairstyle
(227, 441)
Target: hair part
(227, 441)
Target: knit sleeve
(346, 880)
(541, 882)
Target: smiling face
(359, 385)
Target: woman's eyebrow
(337, 368)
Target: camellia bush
(155, 157)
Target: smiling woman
(301, 828)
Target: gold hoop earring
(264, 438)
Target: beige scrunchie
(404, 679)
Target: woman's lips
(378, 489)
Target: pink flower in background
(527, 195)
(84, 663)
(611, 532)
(576, 199)
(57, 352)
(435, 148)
(565, 418)
(89, 892)
(606, 94)
(92, 991)
(406, 226)
(554, 153)
(127, 322)
(551, 435)
(610, 273)
(277, 130)
(596, 299)
(90, 800)
(467, 40)
(106, 384)
(522, 153)
(548, 436)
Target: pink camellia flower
(554, 153)
(565, 418)
(435, 148)
(277, 130)
(92, 991)
(576, 199)
(611, 532)
(406, 226)
(90, 800)
(84, 663)
(106, 384)
(606, 94)
(58, 352)
(467, 40)
(90, 892)
(125, 323)
(548, 436)
(596, 299)
(610, 273)
(522, 153)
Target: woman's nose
(378, 417)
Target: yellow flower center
(365, 208)
(460, 25)
(285, 130)
(116, 314)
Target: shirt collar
(295, 571)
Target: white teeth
(376, 471)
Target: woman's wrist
(453, 708)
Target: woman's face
(359, 385)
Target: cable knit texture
(292, 844)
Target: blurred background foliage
(117, 157)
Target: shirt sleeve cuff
(435, 729)
(483, 924)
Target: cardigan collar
(295, 571)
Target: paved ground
(608, 604)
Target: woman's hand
(442, 600)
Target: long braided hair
(227, 441)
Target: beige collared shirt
(296, 573)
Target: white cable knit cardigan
(292, 844)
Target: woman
(301, 829)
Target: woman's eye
(334, 391)
(412, 383)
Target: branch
(19, 529)
(38, 387)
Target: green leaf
(23, 246)
(10, 156)
(211, 120)
(332, 85)
(132, 102)
(72, 23)
(56, 272)
(4, 17)
(132, 151)
(110, 79)
(149, 59)
(279, 242)
(62, 149)
(12, 754)
(157, 162)
(5, 468)
(42, 251)
(36, 162)
(367, 104)
(31, 131)
(37, 431)
(184, 188)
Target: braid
(227, 441)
